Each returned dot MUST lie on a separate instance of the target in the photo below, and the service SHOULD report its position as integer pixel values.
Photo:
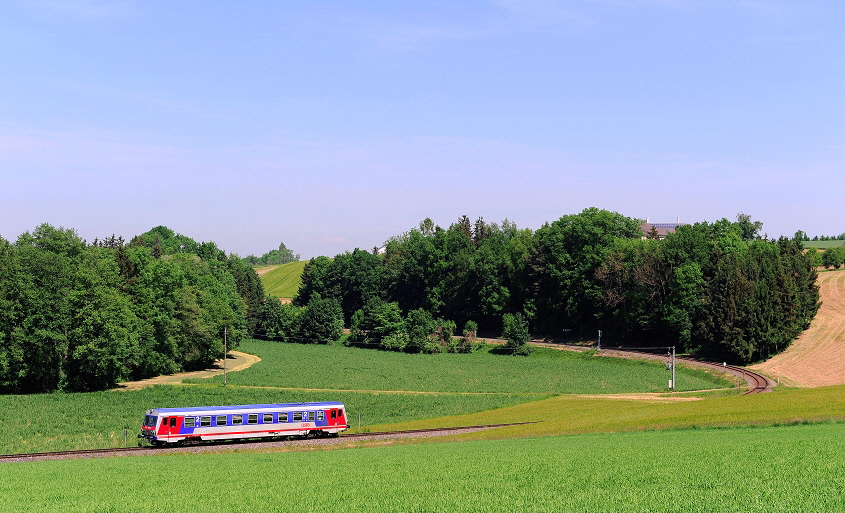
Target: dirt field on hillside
(260, 271)
(817, 357)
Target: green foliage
(717, 288)
(322, 320)
(79, 317)
(278, 321)
(705, 288)
(814, 257)
(283, 255)
(516, 332)
(568, 254)
(833, 257)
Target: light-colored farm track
(817, 357)
(237, 361)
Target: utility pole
(225, 352)
(672, 383)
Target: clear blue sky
(335, 125)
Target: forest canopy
(718, 289)
(77, 316)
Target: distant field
(773, 469)
(284, 280)
(546, 371)
(823, 244)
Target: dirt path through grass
(237, 361)
(817, 357)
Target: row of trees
(831, 258)
(802, 236)
(283, 255)
(79, 317)
(719, 288)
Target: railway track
(246, 444)
(757, 383)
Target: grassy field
(822, 244)
(366, 381)
(546, 371)
(284, 280)
(773, 469)
(53, 422)
(572, 415)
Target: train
(162, 426)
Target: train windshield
(150, 420)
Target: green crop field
(54, 422)
(572, 415)
(546, 371)
(284, 280)
(456, 384)
(822, 244)
(772, 469)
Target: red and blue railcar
(205, 423)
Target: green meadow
(822, 244)
(284, 280)
(690, 451)
(545, 371)
(772, 469)
(383, 387)
(58, 422)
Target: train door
(336, 417)
(163, 429)
(169, 426)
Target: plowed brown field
(817, 357)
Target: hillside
(817, 357)
(282, 280)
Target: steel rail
(757, 383)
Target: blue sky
(335, 125)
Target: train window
(189, 422)
(321, 415)
(334, 414)
(283, 417)
(310, 416)
(252, 418)
(221, 420)
(237, 420)
(205, 421)
(172, 421)
(297, 416)
(268, 418)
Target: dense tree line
(283, 255)
(79, 317)
(719, 289)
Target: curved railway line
(757, 383)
